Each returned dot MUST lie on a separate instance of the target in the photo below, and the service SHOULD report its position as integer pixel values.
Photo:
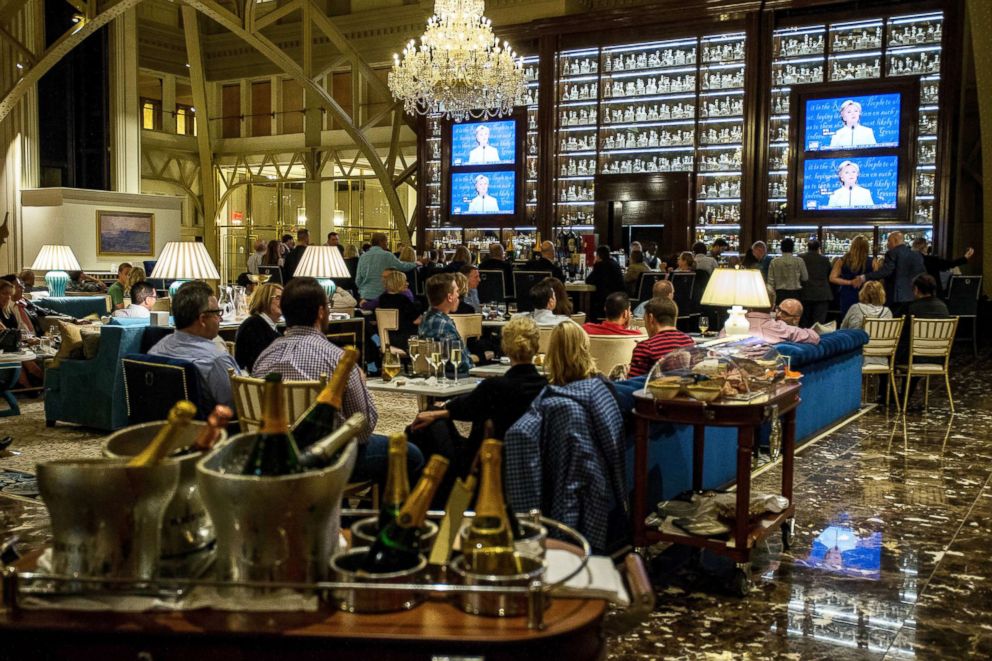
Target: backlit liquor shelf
(882, 47)
(658, 106)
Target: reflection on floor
(890, 557)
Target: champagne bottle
(322, 452)
(275, 451)
(488, 545)
(180, 415)
(397, 483)
(209, 433)
(322, 418)
(398, 545)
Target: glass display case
(531, 75)
(835, 240)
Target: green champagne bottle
(179, 417)
(323, 452)
(488, 545)
(398, 545)
(397, 483)
(275, 451)
(324, 416)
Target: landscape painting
(125, 233)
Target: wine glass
(456, 356)
(413, 348)
(704, 324)
(434, 351)
(391, 366)
(443, 348)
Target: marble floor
(890, 557)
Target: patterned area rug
(18, 483)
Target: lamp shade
(744, 287)
(55, 258)
(322, 262)
(185, 260)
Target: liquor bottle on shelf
(397, 547)
(397, 483)
(322, 418)
(488, 544)
(323, 452)
(180, 415)
(275, 452)
(216, 422)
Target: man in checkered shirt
(304, 353)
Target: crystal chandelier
(460, 70)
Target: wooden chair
(579, 318)
(609, 351)
(230, 347)
(469, 327)
(883, 342)
(162, 305)
(386, 320)
(929, 339)
(300, 395)
(544, 338)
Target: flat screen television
(483, 193)
(855, 121)
(853, 183)
(484, 143)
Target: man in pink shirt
(783, 328)
(617, 321)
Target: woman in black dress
(259, 330)
(397, 297)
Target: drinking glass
(434, 351)
(704, 324)
(391, 366)
(444, 347)
(413, 348)
(456, 356)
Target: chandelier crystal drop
(460, 69)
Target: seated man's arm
(803, 335)
(219, 382)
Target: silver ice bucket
(345, 569)
(106, 517)
(499, 604)
(187, 527)
(272, 528)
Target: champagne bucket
(496, 603)
(365, 531)
(106, 517)
(282, 528)
(186, 527)
(345, 566)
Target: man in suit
(295, 255)
(899, 270)
(816, 294)
(545, 262)
(497, 262)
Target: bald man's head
(790, 311)
(496, 250)
(663, 289)
(895, 239)
(548, 250)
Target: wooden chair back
(300, 396)
(387, 319)
(611, 350)
(579, 318)
(931, 338)
(883, 336)
(469, 325)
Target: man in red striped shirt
(660, 315)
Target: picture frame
(125, 233)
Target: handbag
(10, 339)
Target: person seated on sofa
(543, 300)
(143, 298)
(660, 316)
(80, 282)
(782, 328)
(28, 313)
(660, 289)
(27, 276)
(116, 290)
(8, 316)
(197, 320)
(617, 317)
(259, 330)
(304, 353)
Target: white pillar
(125, 122)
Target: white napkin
(600, 577)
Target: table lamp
(181, 261)
(736, 288)
(323, 263)
(56, 260)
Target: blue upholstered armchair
(91, 392)
(76, 306)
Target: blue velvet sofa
(831, 391)
(76, 306)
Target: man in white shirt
(850, 194)
(852, 134)
(143, 298)
(703, 261)
(542, 297)
(484, 152)
(483, 202)
(255, 259)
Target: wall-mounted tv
(855, 183)
(488, 192)
(484, 143)
(855, 121)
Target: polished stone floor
(890, 558)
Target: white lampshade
(322, 262)
(744, 287)
(56, 258)
(185, 260)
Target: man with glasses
(197, 319)
(143, 298)
(784, 326)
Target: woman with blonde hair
(846, 270)
(136, 275)
(408, 254)
(568, 358)
(397, 297)
(870, 305)
(259, 330)
(502, 400)
(687, 262)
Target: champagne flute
(443, 347)
(704, 324)
(413, 348)
(435, 354)
(391, 366)
(456, 357)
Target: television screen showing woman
(483, 143)
(855, 122)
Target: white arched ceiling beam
(289, 66)
(72, 38)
